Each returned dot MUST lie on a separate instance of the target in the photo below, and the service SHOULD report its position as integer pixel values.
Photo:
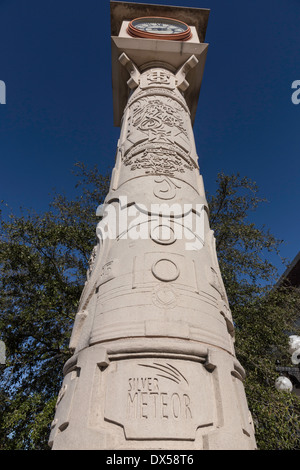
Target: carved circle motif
(165, 270)
(163, 234)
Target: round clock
(154, 27)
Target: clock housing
(156, 27)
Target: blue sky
(55, 62)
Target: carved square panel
(159, 398)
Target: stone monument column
(153, 364)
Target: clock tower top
(152, 35)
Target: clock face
(159, 28)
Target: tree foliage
(43, 263)
(263, 314)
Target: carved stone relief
(165, 188)
(214, 281)
(159, 114)
(158, 92)
(159, 398)
(157, 77)
(92, 260)
(164, 296)
(163, 234)
(157, 138)
(161, 160)
(64, 404)
(241, 401)
(108, 271)
(165, 270)
(161, 119)
(77, 329)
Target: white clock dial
(161, 28)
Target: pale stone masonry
(153, 363)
